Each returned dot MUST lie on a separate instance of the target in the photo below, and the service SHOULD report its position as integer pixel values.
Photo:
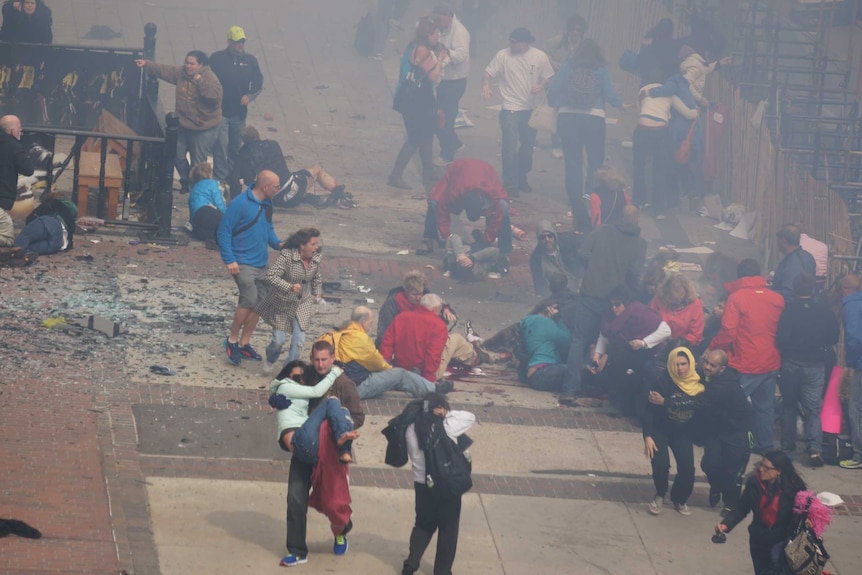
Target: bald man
(243, 235)
(363, 364)
(13, 161)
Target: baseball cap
(521, 35)
(235, 34)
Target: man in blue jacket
(795, 261)
(243, 235)
(852, 310)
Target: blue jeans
(44, 235)
(227, 147)
(279, 338)
(587, 321)
(519, 139)
(198, 145)
(395, 378)
(760, 389)
(580, 133)
(504, 235)
(449, 94)
(306, 439)
(548, 378)
(855, 412)
(801, 385)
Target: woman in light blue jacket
(580, 90)
(206, 204)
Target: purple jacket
(636, 322)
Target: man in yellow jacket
(354, 349)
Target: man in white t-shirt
(522, 72)
(453, 80)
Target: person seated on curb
(545, 341)
(354, 349)
(470, 262)
(406, 297)
(419, 340)
(471, 186)
(206, 205)
(50, 227)
(299, 431)
(555, 253)
(256, 155)
(631, 337)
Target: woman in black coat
(769, 494)
(26, 21)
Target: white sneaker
(655, 505)
(441, 162)
(683, 509)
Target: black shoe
(184, 187)
(815, 459)
(444, 386)
(714, 497)
(568, 401)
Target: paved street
(125, 471)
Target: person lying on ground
(50, 227)
(470, 262)
(206, 204)
(299, 432)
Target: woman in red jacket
(677, 303)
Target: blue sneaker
(233, 353)
(339, 547)
(292, 560)
(247, 352)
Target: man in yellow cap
(241, 81)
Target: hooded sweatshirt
(543, 264)
(749, 326)
(615, 255)
(198, 97)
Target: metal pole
(151, 89)
(164, 194)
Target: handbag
(409, 88)
(543, 117)
(804, 552)
(683, 153)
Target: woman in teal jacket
(546, 343)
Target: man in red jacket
(747, 335)
(416, 340)
(471, 186)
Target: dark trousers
(587, 321)
(761, 558)
(449, 94)
(44, 236)
(652, 145)
(678, 439)
(548, 378)
(626, 370)
(441, 513)
(724, 462)
(519, 139)
(504, 235)
(579, 132)
(298, 488)
(205, 223)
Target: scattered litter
(53, 321)
(271, 129)
(403, 252)
(477, 371)
(331, 299)
(494, 276)
(331, 286)
(268, 117)
(98, 323)
(447, 274)
(357, 117)
(429, 266)
(591, 474)
(131, 265)
(830, 499)
(95, 240)
(162, 370)
(297, 132)
(701, 251)
(134, 242)
(86, 258)
(369, 300)
(321, 87)
(314, 125)
(363, 289)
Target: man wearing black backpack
(438, 503)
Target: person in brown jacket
(198, 105)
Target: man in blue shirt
(243, 235)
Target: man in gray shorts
(243, 235)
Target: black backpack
(582, 89)
(448, 469)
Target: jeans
(298, 488)
(548, 377)
(724, 461)
(678, 438)
(587, 319)
(504, 234)
(652, 144)
(449, 94)
(579, 132)
(44, 235)
(801, 386)
(306, 439)
(227, 146)
(760, 389)
(198, 145)
(395, 378)
(855, 413)
(279, 337)
(519, 139)
(441, 513)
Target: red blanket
(330, 493)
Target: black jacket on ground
(722, 410)
(805, 329)
(13, 161)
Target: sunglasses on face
(546, 237)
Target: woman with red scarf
(769, 494)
